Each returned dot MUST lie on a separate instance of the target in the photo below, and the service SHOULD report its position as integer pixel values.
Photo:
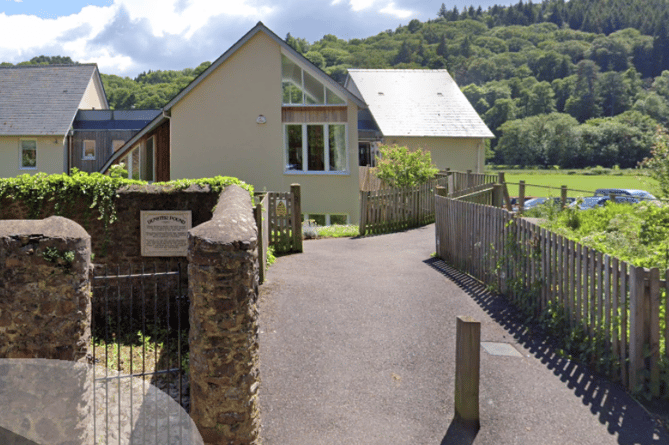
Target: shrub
(399, 167)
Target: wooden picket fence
(279, 219)
(611, 307)
(391, 210)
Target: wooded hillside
(574, 84)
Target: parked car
(530, 203)
(638, 194)
(590, 202)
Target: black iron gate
(140, 336)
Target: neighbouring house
(266, 115)
(418, 109)
(38, 105)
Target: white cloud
(390, 9)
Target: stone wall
(45, 312)
(121, 242)
(223, 289)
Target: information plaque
(165, 232)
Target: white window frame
(85, 157)
(305, 149)
(304, 102)
(21, 166)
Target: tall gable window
(89, 150)
(301, 88)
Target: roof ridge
(61, 65)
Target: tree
(658, 162)
(399, 167)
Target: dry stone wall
(223, 290)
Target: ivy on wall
(92, 193)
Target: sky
(127, 37)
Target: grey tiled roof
(41, 100)
(418, 103)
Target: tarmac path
(357, 346)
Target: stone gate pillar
(45, 313)
(223, 339)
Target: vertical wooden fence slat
(624, 299)
(607, 300)
(615, 314)
(579, 277)
(637, 337)
(653, 316)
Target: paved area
(358, 344)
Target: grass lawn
(578, 184)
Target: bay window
(316, 147)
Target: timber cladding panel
(104, 140)
(307, 115)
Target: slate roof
(417, 103)
(41, 100)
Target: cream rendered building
(37, 107)
(264, 114)
(420, 109)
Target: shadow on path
(608, 401)
(460, 434)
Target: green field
(577, 184)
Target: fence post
(507, 199)
(497, 195)
(639, 325)
(563, 197)
(297, 217)
(467, 371)
(262, 253)
(470, 179)
(363, 212)
(521, 197)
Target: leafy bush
(658, 162)
(399, 167)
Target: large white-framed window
(88, 150)
(301, 88)
(316, 147)
(28, 154)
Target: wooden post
(467, 370)
(297, 217)
(563, 197)
(470, 179)
(262, 253)
(505, 190)
(638, 335)
(498, 195)
(521, 197)
(451, 184)
(363, 212)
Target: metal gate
(140, 336)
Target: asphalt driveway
(357, 346)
